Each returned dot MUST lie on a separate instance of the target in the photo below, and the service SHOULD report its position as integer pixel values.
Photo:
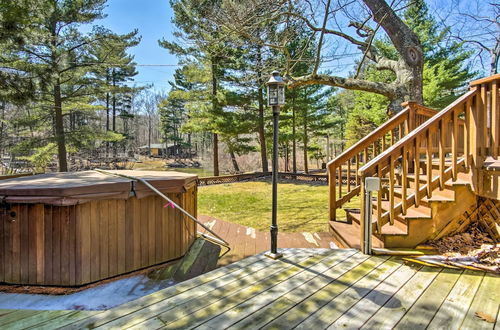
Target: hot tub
(70, 229)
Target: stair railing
(344, 168)
(487, 119)
(467, 130)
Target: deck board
(486, 303)
(193, 300)
(456, 305)
(424, 309)
(355, 317)
(308, 288)
(345, 293)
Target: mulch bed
(473, 247)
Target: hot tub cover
(71, 188)
(165, 181)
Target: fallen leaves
(485, 317)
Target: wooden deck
(247, 241)
(307, 289)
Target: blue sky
(153, 20)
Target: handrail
(484, 80)
(376, 142)
(463, 122)
(365, 170)
(370, 138)
(458, 138)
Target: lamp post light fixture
(275, 99)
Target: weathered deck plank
(424, 309)
(202, 315)
(346, 292)
(289, 290)
(355, 317)
(199, 297)
(455, 307)
(392, 311)
(276, 307)
(485, 305)
(308, 288)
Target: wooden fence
(251, 176)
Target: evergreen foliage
(66, 71)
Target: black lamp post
(275, 98)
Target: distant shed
(71, 229)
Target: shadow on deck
(307, 288)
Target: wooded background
(68, 96)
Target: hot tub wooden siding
(84, 243)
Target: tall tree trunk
(215, 109)
(408, 47)
(149, 134)
(328, 148)
(59, 128)
(262, 134)
(287, 158)
(2, 128)
(114, 112)
(233, 160)
(216, 154)
(260, 99)
(495, 54)
(294, 137)
(305, 141)
(107, 123)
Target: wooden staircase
(418, 224)
(432, 166)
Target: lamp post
(275, 98)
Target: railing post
(332, 185)
(495, 119)
(476, 138)
(368, 186)
(411, 115)
(363, 215)
(412, 120)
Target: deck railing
(459, 137)
(344, 168)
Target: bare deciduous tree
(342, 29)
(478, 25)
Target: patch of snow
(310, 238)
(211, 224)
(100, 297)
(250, 232)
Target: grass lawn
(301, 207)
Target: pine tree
(61, 60)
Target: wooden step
(395, 229)
(420, 212)
(399, 227)
(348, 235)
(491, 164)
(462, 179)
(445, 195)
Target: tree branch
(389, 90)
(321, 36)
